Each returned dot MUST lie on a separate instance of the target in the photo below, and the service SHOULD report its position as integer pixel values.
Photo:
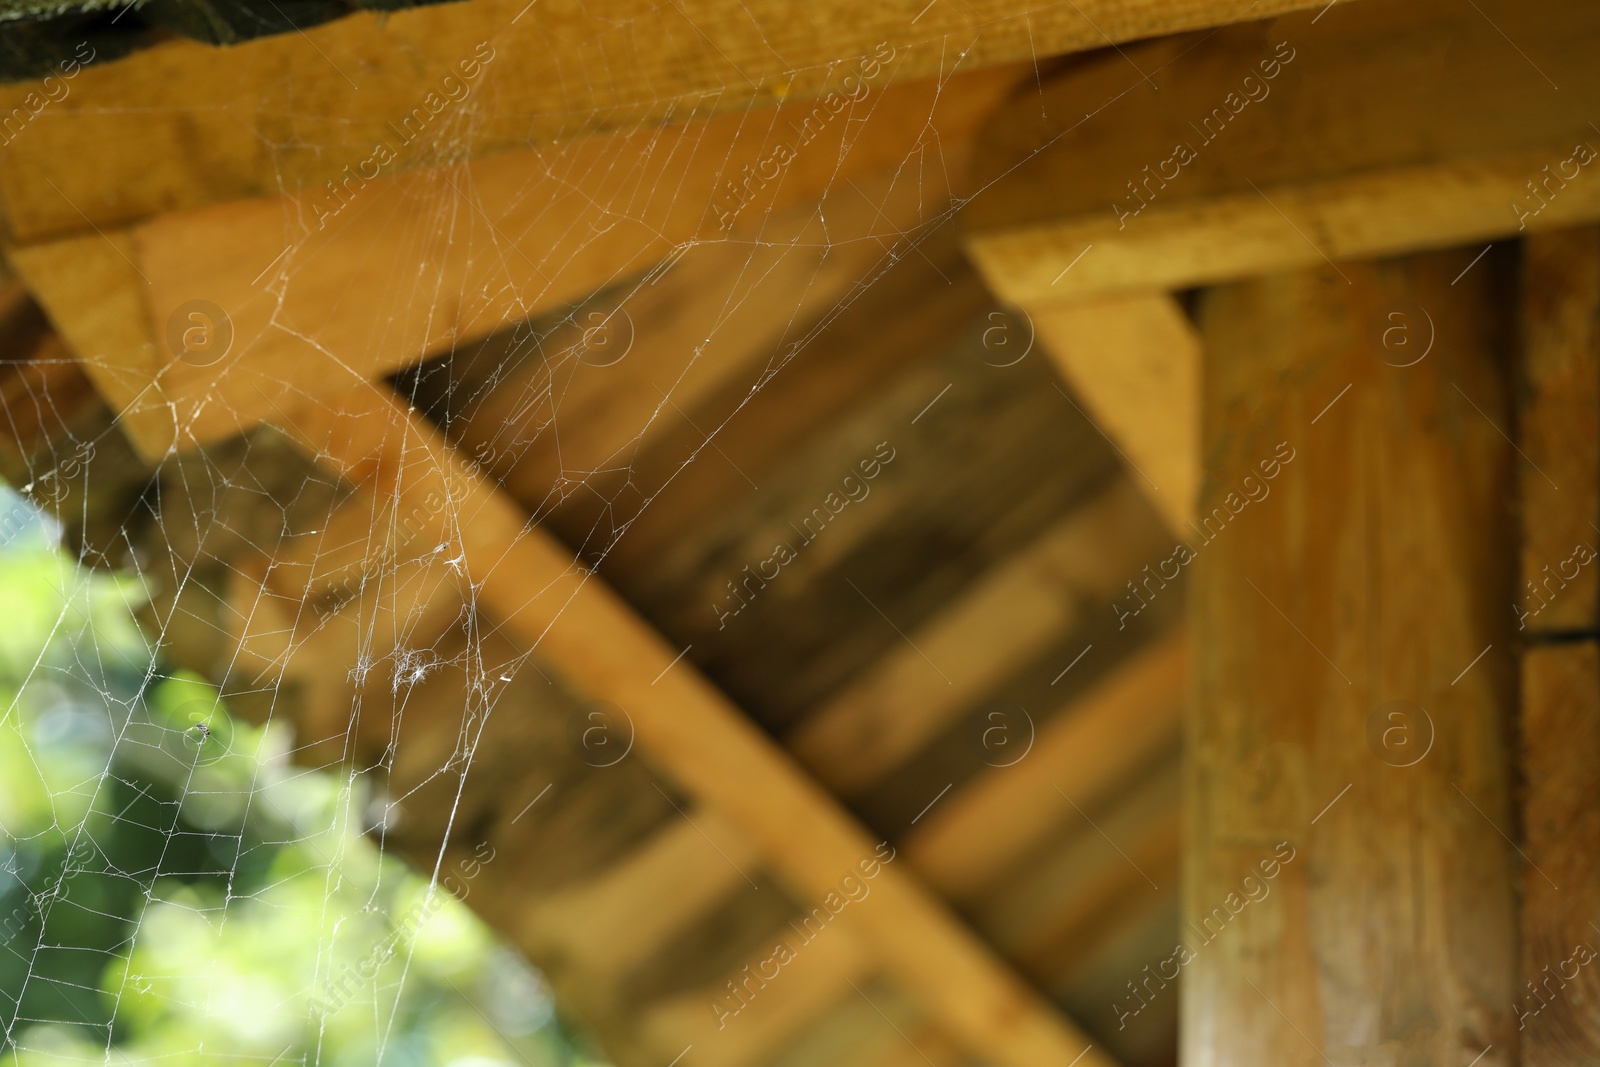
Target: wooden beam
(1134, 360)
(1559, 431)
(1555, 999)
(965, 847)
(183, 125)
(1122, 865)
(1365, 130)
(553, 604)
(633, 908)
(543, 423)
(817, 979)
(1010, 615)
(1353, 689)
(872, 1026)
(424, 262)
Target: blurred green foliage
(173, 889)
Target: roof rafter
(183, 124)
(1376, 130)
(419, 263)
(553, 603)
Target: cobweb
(187, 876)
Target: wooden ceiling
(913, 658)
(694, 567)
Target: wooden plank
(558, 608)
(853, 1033)
(1094, 929)
(813, 982)
(964, 846)
(1559, 431)
(183, 125)
(637, 905)
(1372, 129)
(1011, 614)
(542, 423)
(1122, 851)
(422, 262)
(819, 373)
(1555, 1003)
(1135, 362)
(1096, 986)
(96, 299)
(42, 389)
(58, 445)
(1378, 571)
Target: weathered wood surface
(1378, 570)
(411, 265)
(184, 125)
(1109, 732)
(1359, 130)
(1558, 997)
(959, 493)
(351, 584)
(559, 608)
(1558, 430)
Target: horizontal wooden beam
(183, 125)
(684, 725)
(422, 262)
(1361, 131)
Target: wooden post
(1558, 999)
(1348, 891)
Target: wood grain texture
(1558, 1000)
(1378, 570)
(559, 608)
(857, 386)
(1007, 617)
(425, 262)
(1366, 130)
(571, 416)
(184, 125)
(1558, 429)
(966, 846)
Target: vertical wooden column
(1558, 1000)
(1349, 885)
